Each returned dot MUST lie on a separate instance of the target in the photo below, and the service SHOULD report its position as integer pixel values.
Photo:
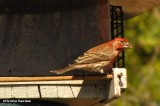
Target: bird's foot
(54, 71)
(102, 71)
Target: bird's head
(121, 44)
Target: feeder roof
(132, 8)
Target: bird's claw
(102, 71)
(54, 71)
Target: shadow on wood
(37, 36)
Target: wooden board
(52, 91)
(71, 82)
(95, 93)
(37, 36)
(132, 8)
(19, 92)
(105, 89)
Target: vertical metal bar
(117, 30)
(122, 31)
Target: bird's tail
(64, 70)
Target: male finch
(99, 57)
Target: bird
(98, 59)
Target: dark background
(37, 36)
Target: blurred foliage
(143, 61)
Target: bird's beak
(127, 46)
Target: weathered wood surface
(52, 91)
(115, 86)
(77, 82)
(37, 36)
(94, 93)
(19, 92)
(56, 78)
(68, 89)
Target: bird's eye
(122, 41)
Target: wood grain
(38, 36)
(55, 78)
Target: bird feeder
(37, 36)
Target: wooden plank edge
(55, 78)
(71, 82)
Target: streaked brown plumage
(99, 57)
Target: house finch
(99, 57)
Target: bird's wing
(99, 53)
